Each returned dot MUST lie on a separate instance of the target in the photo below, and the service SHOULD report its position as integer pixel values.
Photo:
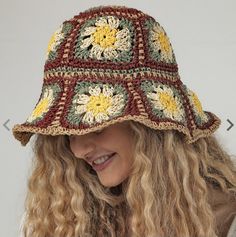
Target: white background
(202, 33)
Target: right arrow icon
(231, 124)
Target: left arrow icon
(5, 124)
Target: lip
(105, 164)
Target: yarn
(109, 64)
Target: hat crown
(111, 38)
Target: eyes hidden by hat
(110, 64)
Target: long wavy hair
(166, 194)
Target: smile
(103, 162)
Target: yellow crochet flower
(106, 38)
(164, 100)
(197, 105)
(43, 105)
(161, 42)
(99, 105)
(55, 40)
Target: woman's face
(115, 139)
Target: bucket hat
(110, 64)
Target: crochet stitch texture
(110, 64)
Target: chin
(109, 184)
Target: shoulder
(232, 229)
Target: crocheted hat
(110, 64)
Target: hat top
(111, 38)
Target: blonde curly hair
(166, 193)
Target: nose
(82, 146)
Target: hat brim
(23, 132)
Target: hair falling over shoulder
(166, 194)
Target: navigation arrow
(231, 124)
(5, 125)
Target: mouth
(104, 164)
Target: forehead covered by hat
(110, 64)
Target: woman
(123, 147)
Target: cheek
(128, 147)
(123, 168)
(127, 154)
